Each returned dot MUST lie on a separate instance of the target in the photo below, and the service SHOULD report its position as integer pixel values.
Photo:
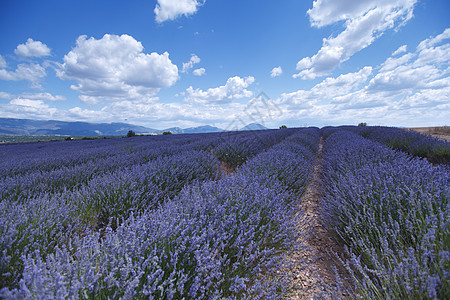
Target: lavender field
(217, 215)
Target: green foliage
(131, 133)
(283, 126)
(362, 124)
(167, 132)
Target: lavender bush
(415, 143)
(236, 147)
(392, 212)
(213, 239)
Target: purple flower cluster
(415, 143)
(163, 222)
(236, 147)
(392, 212)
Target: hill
(15, 127)
(254, 126)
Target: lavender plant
(415, 143)
(213, 239)
(392, 212)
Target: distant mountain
(9, 126)
(202, 129)
(254, 126)
(174, 130)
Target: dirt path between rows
(313, 273)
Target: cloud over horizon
(365, 21)
(115, 67)
(234, 88)
(381, 62)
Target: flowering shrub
(236, 147)
(415, 143)
(392, 212)
(162, 227)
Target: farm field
(337, 212)
(441, 132)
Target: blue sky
(228, 63)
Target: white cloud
(365, 21)
(429, 43)
(43, 96)
(190, 64)
(199, 72)
(31, 97)
(400, 50)
(327, 90)
(2, 62)
(235, 88)
(172, 9)
(426, 68)
(115, 67)
(28, 103)
(393, 62)
(26, 108)
(31, 72)
(5, 95)
(276, 72)
(408, 90)
(403, 77)
(430, 52)
(32, 49)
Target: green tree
(131, 133)
(283, 126)
(167, 132)
(362, 124)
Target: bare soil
(313, 270)
(442, 132)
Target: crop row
(210, 239)
(57, 167)
(415, 143)
(391, 210)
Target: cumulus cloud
(43, 96)
(32, 49)
(400, 50)
(427, 67)
(199, 72)
(32, 96)
(190, 64)
(5, 95)
(365, 21)
(115, 67)
(411, 88)
(429, 43)
(32, 105)
(407, 89)
(327, 90)
(235, 88)
(2, 62)
(276, 72)
(31, 72)
(23, 108)
(393, 62)
(172, 9)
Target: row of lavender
(213, 239)
(71, 187)
(392, 212)
(415, 143)
(55, 167)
